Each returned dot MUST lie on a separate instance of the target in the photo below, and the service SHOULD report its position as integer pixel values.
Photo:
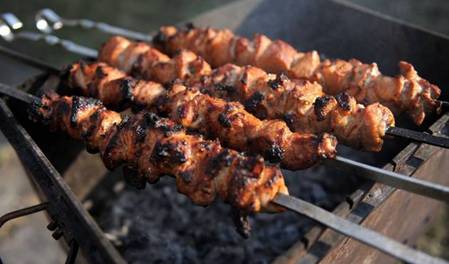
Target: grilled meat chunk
(407, 92)
(214, 117)
(149, 63)
(153, 146)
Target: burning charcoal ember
(165, 227)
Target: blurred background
(24, 239)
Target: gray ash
(159, 225)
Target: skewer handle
(11, 29)
(48, 20)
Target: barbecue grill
(374, 205)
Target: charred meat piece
(153, 146)
(407, 92)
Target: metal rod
(411, 184)
(47, 20)
(22, 212)
(17, 94)
(73, 252)
(28, 60)
(418, 136)
(362, 234)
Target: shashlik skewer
(341, 225)
(407, 92)
(214, 117)
(303, 105)
(153, 146)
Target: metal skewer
(396, 180)
(341, 225)
(47, 21)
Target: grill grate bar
(364, 235)
(22, 212)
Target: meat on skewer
(152, 146)
(302, 104)
(407, 92)
(213, 117)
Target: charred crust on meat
(83, 64)
(136, 68)
(168, 153)
(141, 133)
(160, 38)
(226, 88)
(204, 79)
(319, 105)
(215, 164)
(278, 81)
(181, 111)
(107, 154)
(137, 107)
(165, 125)
(34, 111)
(189, 26)
(126, 88)
(186, 176)
(100, 73)
(224, 120)
(150, 119)
(78, 105)
(253, 102)
(289, 118)
(92, 90)
(275, 153)
(343, 100)
(65, 72)
(93, 119)
(126, 121)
